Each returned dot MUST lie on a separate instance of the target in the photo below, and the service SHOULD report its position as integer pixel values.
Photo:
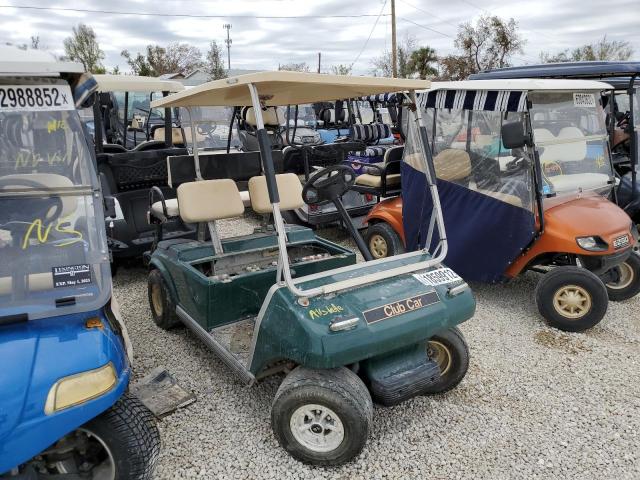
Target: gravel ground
(536, 402)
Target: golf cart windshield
(138, 107)
(52, 238)
(306, 116)
(209, 126)
(570, 134)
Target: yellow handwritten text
(41, 232)
(322, 311)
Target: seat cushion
(209, 200)
(172, 208)
(370, 152)
(375, 181)
(289, 189)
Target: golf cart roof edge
(574, 69)
(284, 88)
(521, 84)
(135, 83)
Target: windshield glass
(569, 129)
(52, 237)
(212, 128)
(306, 116)
(468, 150)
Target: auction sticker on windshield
(437, 277)
(584, 100)
(35, 98)
(71, 275)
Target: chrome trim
(457, 290)
(342, 325)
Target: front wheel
(451, 353)
(626, 283)
(383, 241)
(571, 298)
(322, 417)
(122, 443)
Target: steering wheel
(52, 207)
(328, 184)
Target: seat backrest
(393, 154)
(209, 200)
(452, 165)
(176, 135)
(289, 188)
(370, 132)
(48, 180)
(574, 150)
(271, 117)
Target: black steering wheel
(328, 184)
(51, 207)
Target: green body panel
(212, 301)
(291, 331)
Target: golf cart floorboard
(236, 338)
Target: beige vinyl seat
(206, 201)
(454, 165)
(572, 148)
(176, 135)
(373, 178)
(289, 189)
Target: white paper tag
(35, 98)
(584, 100)
(437, 277)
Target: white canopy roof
(286, 88)
(521, 84)
(14, 61)
(134, 83)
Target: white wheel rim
(626, 277)
(317, 428)
(378, 246)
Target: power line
(184, 15)
(427, 28)
(429, 13)
(370, 33)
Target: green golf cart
(285, 300)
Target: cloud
(549, 25)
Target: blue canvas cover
(487, 210)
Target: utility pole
(394, 51)
(319, 58)
(227, 27)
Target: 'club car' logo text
(399, 308)
(323, 311)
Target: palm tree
(421, 62)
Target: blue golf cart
(65, 354)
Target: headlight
(80, 388)
(593, 244)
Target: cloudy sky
(262, 43)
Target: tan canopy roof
(135, 83)
(286, 88)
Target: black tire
(383, 241)
(450, 351)
(339, 390)
(163, 308)
(583, 286)
(628, 284)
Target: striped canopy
(490, 100)
(381, 97)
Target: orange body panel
(589, 215)
(389, 211)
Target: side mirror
(513, 135)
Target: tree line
(490, 42)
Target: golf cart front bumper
(38, 354)
(600, 264)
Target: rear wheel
(627, 279)
(383, 241)
(450, 351)
(571, 298)
(322, 417)
(163, 310)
